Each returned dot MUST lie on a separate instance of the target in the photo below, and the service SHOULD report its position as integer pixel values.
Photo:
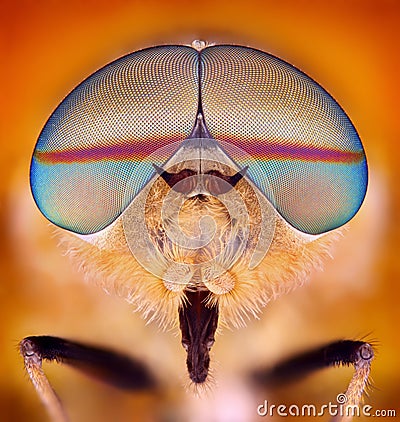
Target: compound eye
(96, 151)
(302, 150)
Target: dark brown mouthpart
(198, 324)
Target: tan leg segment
(33, 366)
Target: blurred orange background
(352, 50)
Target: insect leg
(343, 352)
(106, 365)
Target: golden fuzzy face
(234, 245)
(204, 232)
(199, 246)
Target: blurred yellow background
(352, 50)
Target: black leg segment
(344, 352)
(106, 365)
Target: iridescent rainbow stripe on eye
(292, 151)
(136, 152)
(97, 150)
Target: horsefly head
(199, 183)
